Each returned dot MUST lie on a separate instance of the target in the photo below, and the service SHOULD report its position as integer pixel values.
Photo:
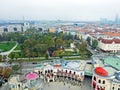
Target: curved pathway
(8, 52)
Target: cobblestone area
(86, 85)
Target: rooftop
(105, 71)
(110, 70)
(113, 61)
(109, 41)
(112, 33)
(14, 79)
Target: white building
(109, 44)
(14, 28)
(106, 78)
(15, 84)
(69, 69)
(72, 45)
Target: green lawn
(68, 53)
(77, 58)
(0, 57)
(18, 47)
(6, 46)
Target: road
(101, 55)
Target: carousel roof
(31, 76)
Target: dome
(100, 71)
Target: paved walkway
(60, 86)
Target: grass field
(18, 47)
(69, 53)
(6, 46)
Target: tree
(0, 58)
(43, 48)
(12, 55)
(48, 40)
(59, 43)
(46, 56)
(15, 68)
(57, 53)
(27, 53)
(1, 38)
(16, 56)
(6, 72)
(76, 37)
(89, 54)
(83, 49)
(33, 55)
(88, 40)
(1, 69)
(94, 44)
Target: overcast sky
(59, 9)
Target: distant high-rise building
(103, 21)
(117, 19)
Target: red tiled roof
(109, 41)
(111, 33)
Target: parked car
(34, 63)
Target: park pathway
(8, 52)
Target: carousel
(33, 81)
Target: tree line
(35, 44)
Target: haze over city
(59, 44)
(80, 10)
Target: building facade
(109, 44)
(65, 70)
(106, 78)
(14, 28)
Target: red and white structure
(109, 44)
(106, 78)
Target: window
(74, 73)
(19, 85)
(94, 78)
(112, 88)
(13, 86)
(51, 70)
(5, 29)
(98, 88)
(118, 88)
(15, 29)
(99, 81)
(66, 71)
(103, 81)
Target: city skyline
(80, 10)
